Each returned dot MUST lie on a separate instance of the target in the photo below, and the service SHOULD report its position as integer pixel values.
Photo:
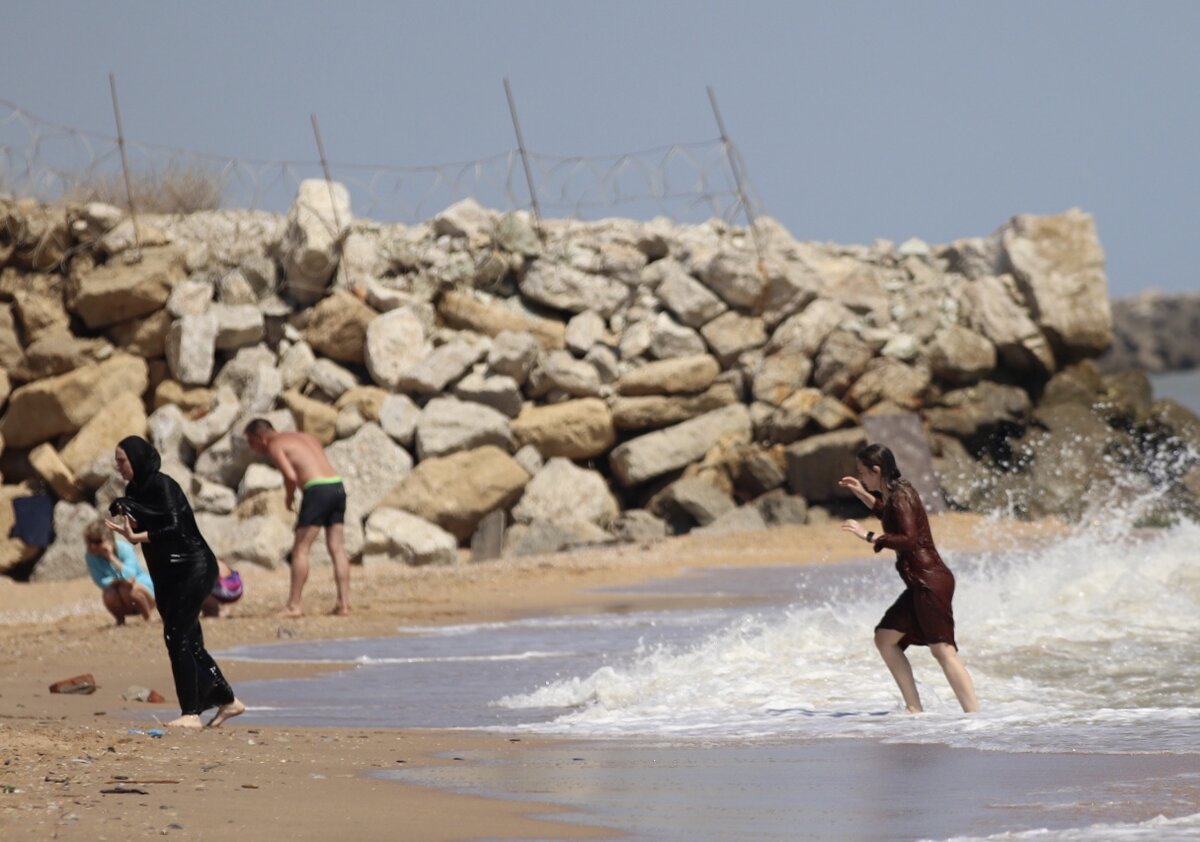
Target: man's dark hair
(257, 427)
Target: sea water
(1089, 642)
(1182, 386)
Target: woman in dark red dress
(922, 615)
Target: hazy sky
(856, 120)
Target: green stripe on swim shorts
(322, 481)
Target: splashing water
(1088, 643)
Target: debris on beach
(82, 684)
(134, 693)
(152, 732)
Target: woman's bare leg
(887, 641)
(957, 675)
(115, 603)
(141, 599)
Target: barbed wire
(52, 162)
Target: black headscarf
(145, 496)
(144, 460)
(158, 507)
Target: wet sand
(851, 789)
(59, 753)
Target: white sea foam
(1158, 829)
(573, 621)
(1091, 642)
(367, 660)
(371, 660)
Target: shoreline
(62, 751)
(831, 788)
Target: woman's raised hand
(853, 484)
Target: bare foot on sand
(229, 711)
(188, 720)
(340, 610)
(289, 611)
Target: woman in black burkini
(922, 615)
(183, 569)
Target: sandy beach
(71, 769)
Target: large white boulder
(657, 453)
(315, 221)
(395, 535)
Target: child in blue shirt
(113, 565)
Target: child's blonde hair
(97, 531)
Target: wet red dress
(922, 613)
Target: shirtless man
(303, 463)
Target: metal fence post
(337, 222)
(112, 84)
(732, 158)
(512, 109)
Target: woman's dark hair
(878, 456)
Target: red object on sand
(155, 697)
(76, 684)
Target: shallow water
(836, 789)
(1084, 645)
(450, 676)
(1091, 643)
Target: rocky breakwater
(595, 382)
(1155, 332)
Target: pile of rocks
(599, 381)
